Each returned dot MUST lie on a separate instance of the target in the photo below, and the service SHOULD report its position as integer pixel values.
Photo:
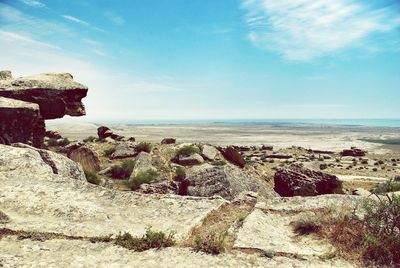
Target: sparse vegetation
(211, 244)
(373, 239)
(92, 177)
(218, 163)
(180, 174)
(149, 240)
(64, 142)
(109, 152)
(124, 170)
(142, 177)
(143, 147)
(307, 225)
(52, 142)
(187, 150)
(98, 239)
(90, 139)
(388, 186)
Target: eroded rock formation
(41, 97)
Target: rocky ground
(51, 215)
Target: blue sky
(202, 59)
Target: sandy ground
(333, 138)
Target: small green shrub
(142, 177)
(218, 163)
(92, 177)
(364, 162)
(211, 244)
(109, 152)
(64, 142)
(388, 186)
(149, 240)
(143, 147)
(180, 174)
(123, 171)
(187, 150)
(98, 239)
(306, 226)
(52, 142)
(90, 139)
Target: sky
(208, 59)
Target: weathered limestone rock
(168, 141)
(37, 199)
(209, 152)
(355, 152)
(162, 187)
(297, 180)
(143, 163)
(269, 227)
(227, 182)
(105, 132)
(86, 157)
(53, 134)
(56, 94)
(190, 160)
(233, 156)
(123, 150)
(17, 120)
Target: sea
(385, 123)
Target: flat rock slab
(36, 199)
(269, 227)
(67, 253)
(272, 232)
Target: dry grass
(373, 240)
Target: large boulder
(18, 120)
(105, 132)
(190, 160)
(209, 152)
(56, 94)
(355, 152)
(300, 181)
(143, 163)
(168, 141)
(123, 150)
(23, 160)
(86, 157)
(233, 156)
(227, 181)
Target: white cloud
(10, 37)
(303, 30)
(34, 3)
(114, 18)
(81, 22)
(74, 19)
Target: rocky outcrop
(209, 152)
(18, 120)
(190, 160)
(227, 181)
(355, 152)
(53, 134)
(299, 181)
(105, 132)
(233, 156)
(123, 150)
(55, 94)
(143, 163)
(168, 141)
(86, 157)
(163, 187)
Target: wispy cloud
(303, 30)
(114, 18)
(11, 37)
(151, 87)
(75, 19)
(81, 22)
(33, 3)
